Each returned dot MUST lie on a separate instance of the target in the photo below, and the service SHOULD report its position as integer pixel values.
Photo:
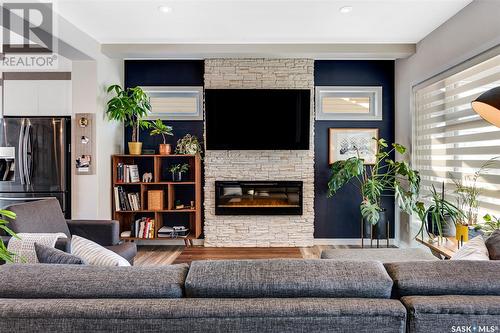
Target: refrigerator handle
(20, 153)
(27, 153)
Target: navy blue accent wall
(339, 217)
(165, 73)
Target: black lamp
(487, 105)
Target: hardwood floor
(220, 253)
(167, 255)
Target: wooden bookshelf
(187, 190)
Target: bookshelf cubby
(188, 190)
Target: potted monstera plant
(159, 128)
(129, 106)
(385, 176)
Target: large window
(451, 142)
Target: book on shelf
(130, 201)
(127, 173)
(143, 228)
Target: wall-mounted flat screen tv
(257, 119)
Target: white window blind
(451, 140)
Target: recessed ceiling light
(345, 9)
(165, 9)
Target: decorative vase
(176, 176)
(448, 228)
(165, 149)
(462, 231)
(135, 148)
(377, 231)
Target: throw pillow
(493, 245)
(95, 254)
(49, 255)
(474, 249)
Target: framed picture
(348, 103)
(175, 103)
(344, 143)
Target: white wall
(470, 32)
(91, 194)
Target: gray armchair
(46, 216)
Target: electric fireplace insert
(258, 198)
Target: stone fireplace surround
(226, 165)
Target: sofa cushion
(382, 255)
(42, 216)
(49, 255)
(442, 313)
(475, 249)
(446, 277)
(287, 278)
(203, 315)
(493, 245)
(85, 281)
(95, 254)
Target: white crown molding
(310, 51)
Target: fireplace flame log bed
(258, 198)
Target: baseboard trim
(350, 241)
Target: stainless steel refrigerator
(35, 160)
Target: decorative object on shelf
(155, 200)
(386, 175)
(84, 145)
(148, 152)
(487, 105)
(159, 128)
(5, 254)
(175, 103)
(179, 205)
(129, 106)
(147, 177)
(491, 223)
(177, 170)
(348, 103)
(344, 143)
(189, 145)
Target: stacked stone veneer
(292, 230)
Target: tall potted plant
(129, 106)
(385, 176)
(159, 128)
(5, 254)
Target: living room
(270, 166)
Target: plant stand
(371, 234)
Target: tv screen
(257, 119)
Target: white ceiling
(258, 21)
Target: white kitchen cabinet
(54, 98)
(37, 98)
(20, 98)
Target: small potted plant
(491, 223)
(5, 254)
(442, 216)
(159, 128)
(188, 145)
(177, 170)
(129, 106)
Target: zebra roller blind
(451, 141)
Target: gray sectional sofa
(252, 296)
